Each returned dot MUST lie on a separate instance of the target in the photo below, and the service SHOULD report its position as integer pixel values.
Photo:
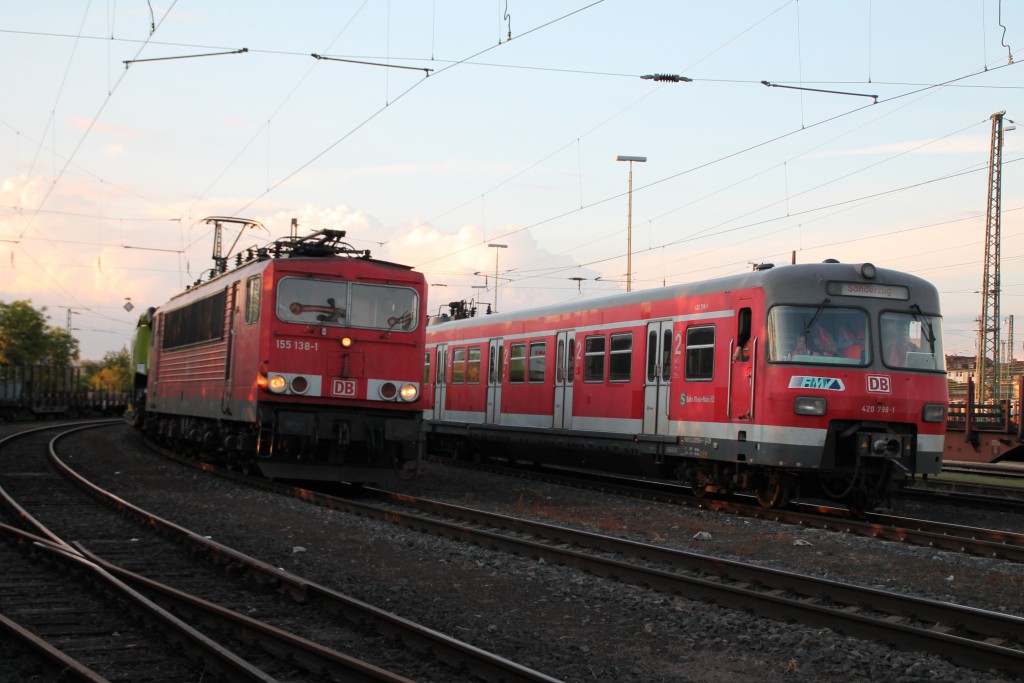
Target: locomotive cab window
(818, 334)
(700, 353)
(341, 304)
(253, 297)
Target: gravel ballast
(557, 620)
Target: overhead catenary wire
(492, 203)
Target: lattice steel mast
(988, 329)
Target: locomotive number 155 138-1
(296, 345)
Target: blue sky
(107, 171)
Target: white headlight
(410, 392)
(387, 391)
(810, 405)
(934, 412)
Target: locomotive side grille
(196, 365)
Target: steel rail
(957, 538)
(57, 662)
(941, 628)
(212, 653)
(443, 647)
(864, 612)
(310, 655)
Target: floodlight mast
(629, 219)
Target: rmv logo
(827, 383)
(879, 384)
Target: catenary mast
(988, 330)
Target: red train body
(304, 361)
(790, 380)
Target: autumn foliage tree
(113, 373)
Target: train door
(565, 368)
(657, 377)
(495, 371)
(741, 373)
(440, 381)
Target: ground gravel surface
(557, 620)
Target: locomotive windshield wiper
(403, 319)
(814, 318)
(328, 313)
(929, 331)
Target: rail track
(123, 550)
(953, 537)
(967, 636)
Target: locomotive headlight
(277, 384)
(300, 385)
(346, 342)
(868, 271)
(388, 391)
(409, 392)
(934, 412)
(810, 405)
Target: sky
(799, 130)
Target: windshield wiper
(929, 331)
(814, 318)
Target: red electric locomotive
(813, 380)
(304, 360)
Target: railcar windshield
(912, 341)
(818, 334)
(346, 304)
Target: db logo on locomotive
(879, 384)
(343, 387)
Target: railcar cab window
(743, 333)
(818, 334)
(700, 353)
(620, 357)
(341, 304)
(473, 365)
(459, 366)
(593, 359)
(912, 341)
(537, 361)
(517, 363)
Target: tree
(60, 347)
(26, 338)
(114, 373)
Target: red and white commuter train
(304, 361)
(820, 379)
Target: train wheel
(773, 491)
